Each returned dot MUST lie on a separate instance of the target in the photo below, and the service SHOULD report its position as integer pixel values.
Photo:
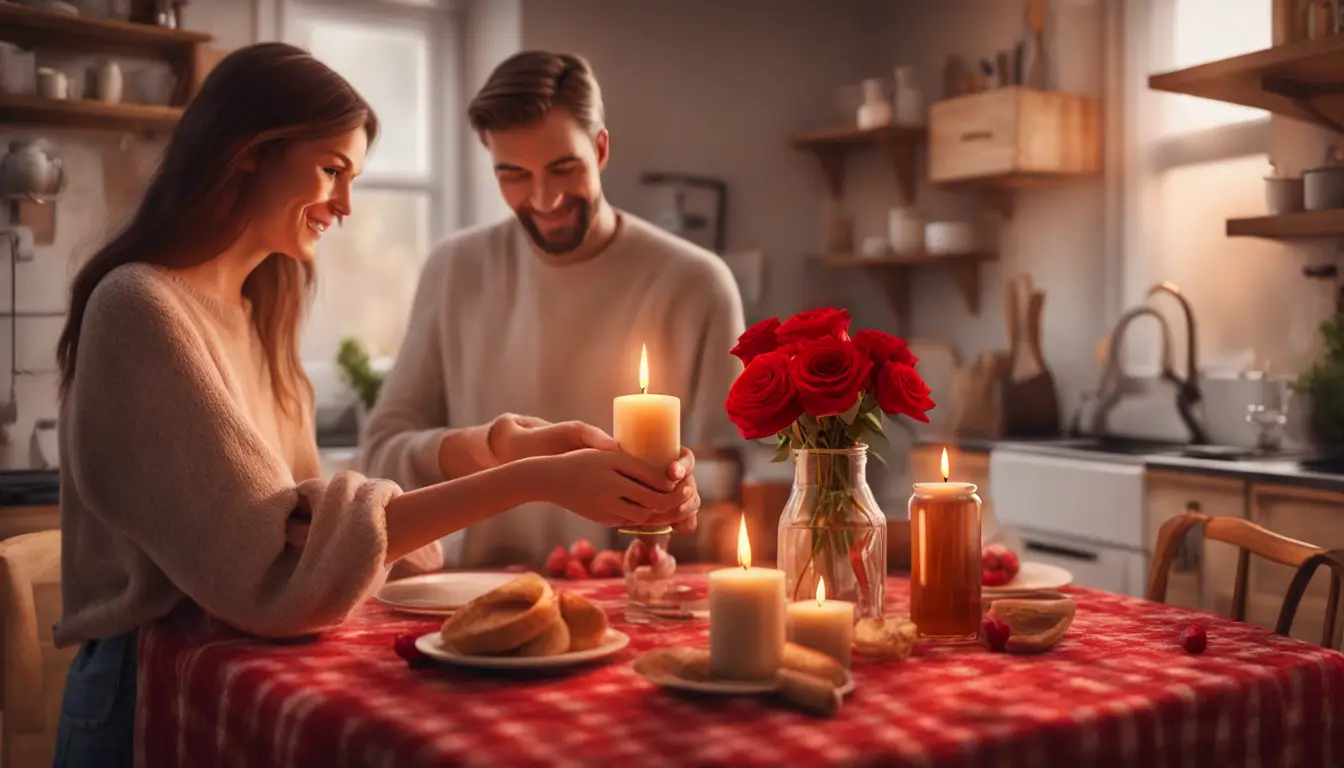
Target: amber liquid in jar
(945, 575)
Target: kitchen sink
(1130, 446)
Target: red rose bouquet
(821, 393)
(811, 385)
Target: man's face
(549, 174)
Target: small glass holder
(652, 588)
(945, 574)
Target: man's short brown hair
(527, 86)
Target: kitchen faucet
(1187, 390)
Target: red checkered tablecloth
(1117, 690)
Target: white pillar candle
(746, 618)
(824, 625)
(647, 426)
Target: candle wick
(944, 478)
(643, 390)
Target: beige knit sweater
(179, 471)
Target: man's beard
(566, 239)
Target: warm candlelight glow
(946, 472)
(644, 371)
(743, 545)
(821, 591)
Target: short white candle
(824, 625)
(746, 618)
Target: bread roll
(811, 662)
(553, 642)
(587, 622)
(503, 619)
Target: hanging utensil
(1036, 12)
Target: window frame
(444, 67)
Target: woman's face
(304, 190)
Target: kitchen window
(396, 54)
(1187, 165)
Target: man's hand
(681, 472)
(513, 437)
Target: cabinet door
(967, 467)
(1316, 517)
(1202, 570)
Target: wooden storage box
(1014, 137)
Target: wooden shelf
(1329, 223)
(830, 146)
(892, 271)
(23, 109)
(1303, 80)
(31, 28)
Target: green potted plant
(357, 371)
(1323, 383)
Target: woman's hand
(614, 488)
(513, 437)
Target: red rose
(762, 402)
(756, 340)
(884, 348)
(814, 324)
(901, 390)
(829, 374)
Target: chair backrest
(1334, 560)
(1249, 539)
(33, 670)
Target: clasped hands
(584, 470)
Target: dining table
(1118, 689)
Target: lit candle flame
(643, 368)
(743, 545)
(821, 591)
(946, 472)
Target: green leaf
(853, 412)
(782, 452)
(873, 421)
(868, 403)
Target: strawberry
(1194, 639)
(998, 565)
(404, 645)
(994, 578)
(636, 555)
(995, 633)
(576, 570)
(557, 561)
(583, 551)
(606, 565)
(664, 564)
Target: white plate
(432, 646)
(1033, 576)
(729, 687)
(439, 594)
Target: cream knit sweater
(179, 471)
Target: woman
(188, 455)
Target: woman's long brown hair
(254, 100)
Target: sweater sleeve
(409, 424)
(721, 322)
(162, 453)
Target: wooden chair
(1249, 539)
(33, 669)
(1334, 560)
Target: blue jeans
(97, 725)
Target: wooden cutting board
(939, 362)
(1030, 399)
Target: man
(544, 313)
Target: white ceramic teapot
(31, 169)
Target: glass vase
(831, 528)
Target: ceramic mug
(52, 83)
